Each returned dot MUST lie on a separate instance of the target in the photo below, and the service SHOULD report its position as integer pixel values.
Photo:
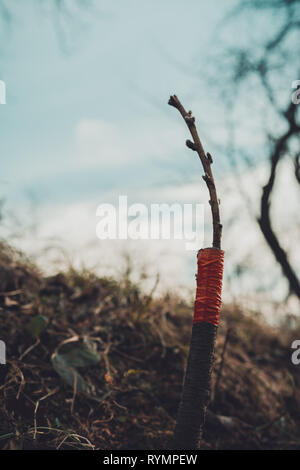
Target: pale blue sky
(123, 60)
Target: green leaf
(72, 356)
(80, 356)
(36, 325)
(70, 375)
(58, 423)
(122, 419)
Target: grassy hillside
(92, 363)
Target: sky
(76, 120)
(87, 120)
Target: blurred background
(87, 120)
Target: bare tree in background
(273, 65)
(62, 13)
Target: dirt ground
(97, 364)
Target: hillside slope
(93, 363)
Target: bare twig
(206, 161)
(196, 389)
(29, 349)
(49, 394)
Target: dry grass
(129, 398)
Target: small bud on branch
(191, 145)
(209, 157)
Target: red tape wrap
(209, 286)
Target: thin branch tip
(173, 101)
(206, 160)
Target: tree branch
(206, 161)
(297, 167)
(265, 219)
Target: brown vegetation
(95, 363)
